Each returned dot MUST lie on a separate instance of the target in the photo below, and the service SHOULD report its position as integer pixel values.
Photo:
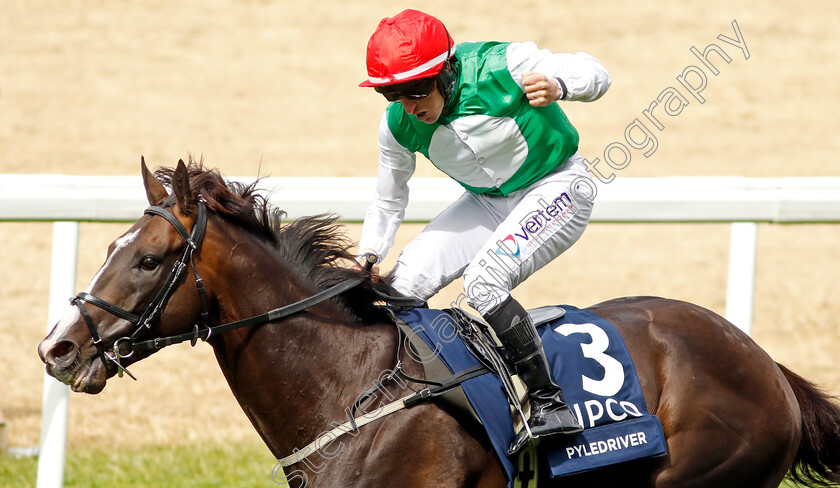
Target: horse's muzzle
(62, 359)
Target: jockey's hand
(370, 266)
(540, 89)
(374, 273)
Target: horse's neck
(295, 375)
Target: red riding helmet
(406, 47)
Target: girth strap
(436, 371)
(445, 386)
(405, 402)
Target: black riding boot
(549, 413)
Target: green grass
(790, 484)
(164, 467)
(183, 466)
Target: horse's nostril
(62, 354)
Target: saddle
(479, 339)
(470, 372)
(588, 359)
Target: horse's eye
(149, 263)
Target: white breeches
(496, 242)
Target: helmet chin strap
(448, 75)
(447, 78)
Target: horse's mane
(315, 246)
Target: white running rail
(745, 202)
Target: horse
(731, 415)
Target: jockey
(484, 113)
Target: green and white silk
(488, 138)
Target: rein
(204, 330)
(271, 315)
(193, 242)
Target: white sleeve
(385, 214)
(585, 77)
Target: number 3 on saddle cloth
(590, 363)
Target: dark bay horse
(732, 416)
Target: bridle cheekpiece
(144, 320)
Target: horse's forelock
(233, 201)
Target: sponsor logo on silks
(503, 249)
(535, 223)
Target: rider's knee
(484, 289)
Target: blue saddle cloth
(590, 362)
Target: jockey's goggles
(413, 90)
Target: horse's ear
(155, 191)
(181, 188)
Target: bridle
(144, 321)
(201, 330)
